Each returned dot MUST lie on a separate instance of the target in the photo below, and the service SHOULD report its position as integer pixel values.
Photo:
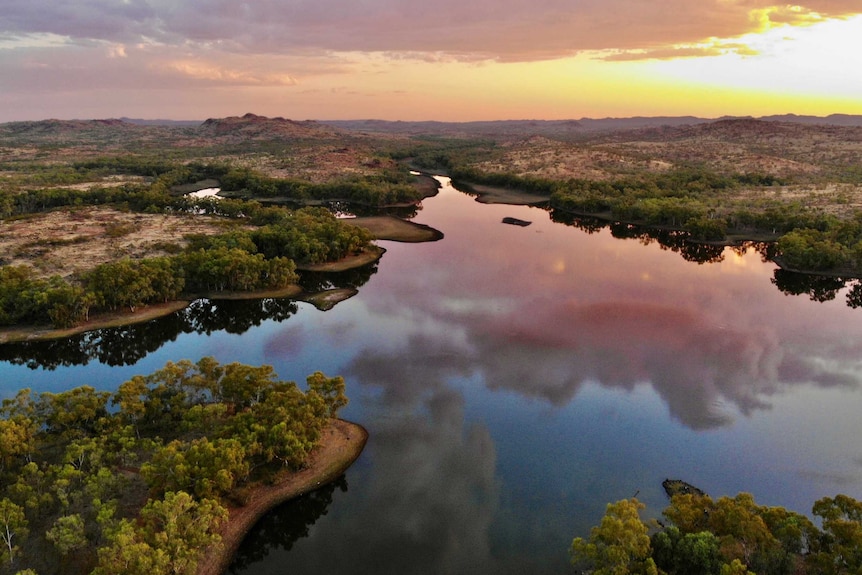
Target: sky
(447, 60)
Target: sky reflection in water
(514, 380)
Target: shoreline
(340, 445)
(369, 255)
(143, 314)
(396, 229)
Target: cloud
(684, 51)
(124, 66)
(521, 30)
(696, 367)
(434, 493)
(93, 58)
(213, 72)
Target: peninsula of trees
(140, 481)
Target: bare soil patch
(396, 229)
(328, 299)
(69, 241)
(507, 196)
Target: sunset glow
(403, 60)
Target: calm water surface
(516, 379)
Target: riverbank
(340, 445)
(143, 314)
(506, 196)
(146, 313)
(397, 230)
(96, 321)
(368, 255)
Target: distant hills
(494, 126)
(235, 129)
(231, 130)
(558, 128)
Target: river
(516, 379)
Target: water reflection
(313, 282)
(698, 369)
(694, 365)
(514, 380)
(677, 241)
(126, 345)
(279, 529)
(534, 314)
(426, 492)
(818, 288)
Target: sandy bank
(124, 317)
(340, 445)
(96, 321)
(494, 195)
(367, 256)
(396, 229)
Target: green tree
(166, 281)
(130, 396)
(735, 567)
(841, 543)
(127, 553)
(688, 554)
(17, 441)
(810, 249)
(743, 530)
(208, 469)
(31, 489)
(244, 385)
(68, 533)
(706, 228)
(330, 389)
(619, 545)
(120, 284)
(13, 527)
(67, 305)
(75, 413)
(182, 529)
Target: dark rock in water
(679, 487)
(516, 222)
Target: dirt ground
(66, 242)
(396, 229)
(507, 196)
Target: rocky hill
(254, 127)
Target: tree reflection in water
(818, 287)
(126, 345)
(313, 282)
(677, 241)
(283, 526)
